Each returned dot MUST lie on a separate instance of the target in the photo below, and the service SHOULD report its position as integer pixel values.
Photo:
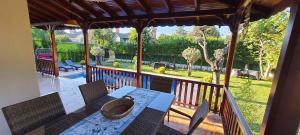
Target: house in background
(121, 36)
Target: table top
(146, 122)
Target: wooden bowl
(118, 108)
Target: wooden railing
(188, 93)
(44, 66)
(233, 121)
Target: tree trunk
(216, 77)
(174, 62)
(189, 69)
(261, 62)
(268, 70)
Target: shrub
(161, 70)
(207, 79)
(116, 64)
(82, 62)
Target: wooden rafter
(197, 5)
(88, 8)
(145, 6)
(42, 6)
(37, 15)
(69, 7)
(106, 8)
(43, 13)
(52, 3)
(167, 15)
(124, 7)
(168, 5)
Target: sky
(168, 30)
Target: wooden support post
(232, 48)
(54, 51)
(85, 28)
(139, 56)
(282, 114)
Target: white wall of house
(18, 80)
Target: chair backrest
(161, 84)
(26, 116)
(92, 91)
(69, 62)
(198, 116)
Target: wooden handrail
(188, 93)
(233, 121)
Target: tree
(266, 37)
(41, 38)
(180, 31)
(103, 37)
(146, 36)
(98, 52)
(191, 55)
(216, 63)
(210, 31)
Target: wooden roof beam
(168, 15)
(70, 8)
(39, 4)
(88, 8)
(107, 9)
(44, 13)
(34, 13)
(168, 5)
(63, 10)
(197, 5)
(145, 6)
(124, 7)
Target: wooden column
(54, 51)
(282, 114)
(85, 28)
(229, 64)
(139, 56)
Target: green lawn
(260, 90)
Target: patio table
(145, 119)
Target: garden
(258, 49)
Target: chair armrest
(181, 113)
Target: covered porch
(225, 116)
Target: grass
(260, 92)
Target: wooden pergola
(97, 14)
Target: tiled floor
(72, 100)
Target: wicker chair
(161, 84)
(196, 119)
(26, 116)
(93, 91)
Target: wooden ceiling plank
(107, 9)
(61, 9)
(68, 6)
(168, 5)
(169, 15)
(51, 9)
(88, 8)
(197, 5)
(124, 7)
(42, 12)
(145, 6)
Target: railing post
(85, 28)
(139, 56)
(54, 51)
(232, 48)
